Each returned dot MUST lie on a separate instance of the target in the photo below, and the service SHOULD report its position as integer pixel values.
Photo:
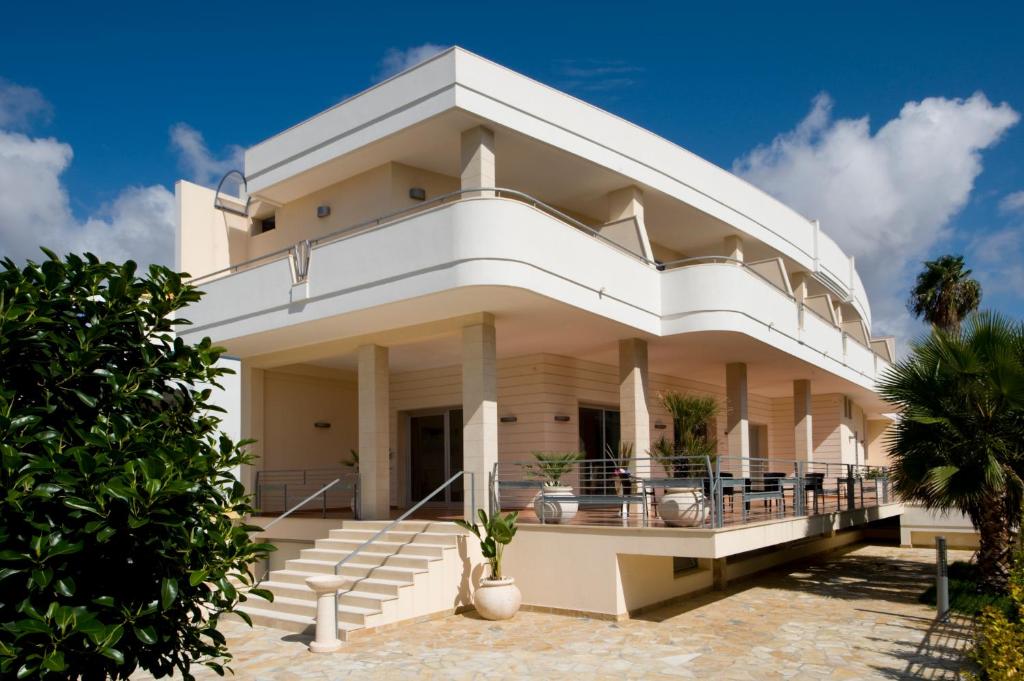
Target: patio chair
(772, 483)
(816, 484)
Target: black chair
(772, 483)
(815, 482)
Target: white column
(251, 426)
(625, 206)
(737, 424)
(799, 283)
(479, 413)
(734, 247)
(478, 160)
(374, 433)
(803, 443)
(326, 589)
(634, 414)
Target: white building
(462, 266)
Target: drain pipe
(941, 580)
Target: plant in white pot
(497, 597)
(556, 502)
(691, 416)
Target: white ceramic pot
(682, 507)
(497, 599)
(554, 510)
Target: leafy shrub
(494, 533)
(999, 649)
(968, 593)
(120, 545)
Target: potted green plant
(691, 416)
(556, 502)
(497, 597)
(353, 463)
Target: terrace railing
(278, 490)
(684, 491)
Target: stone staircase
(416, 569)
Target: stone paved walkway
(853, 616)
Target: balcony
(504, 238)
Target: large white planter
(682, 507)
(555, 510)
(497, 599)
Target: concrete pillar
(799, 283)
(734, 247)
(624, 206)
(479, 413)
(634, 415)
(719, 574)
(478, 160)
(803, 443)
(737, 423)
(251, 426)
(374, 433)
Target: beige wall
(532, 388)
(372, 194)
(293, 402)
(208, 239)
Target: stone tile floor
(850, 616)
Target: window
(265, 224)
(847, 407)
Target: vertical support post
(374, 433)
(634, 415)
(478, 161)
(733, 246)
(803, 421)
(719, 495)
(719, 574)
(941, 580)
(326, 589)
(799, 490)
(850, 498)
(252, 388)
(479, 410)
(737, 422)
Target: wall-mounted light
(323, 211)
(417, 193)
(321, 424)
(658, 425)
(508, 419)
(561, 418)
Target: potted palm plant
(551, 467)
(497, 597)
(691, 415)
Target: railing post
(719, 494)
(259, 493)
(850, 499)
(885, 485)
(799, 490)
(941, 580)
(323, 507)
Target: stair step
(404, 526)
(326, 562)
(397, 536)
(347, 546)
(361, 594)
(300, 624)
(365, 576)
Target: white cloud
(196, 160)
(998, 260)
(20, 106)
(35, 207)
(886, 197)
(395, 60)
(1012, 203)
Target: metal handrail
(302, 503)
(418, 506)
(437, 200)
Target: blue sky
(109, 82)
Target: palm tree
(945, 293)
(959, 444)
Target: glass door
(435, 454)
(599, 442)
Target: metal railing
(684, 491)
(276, 489)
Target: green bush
(999, 645)
(121, 544)
(967, 592)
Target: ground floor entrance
(435, 454)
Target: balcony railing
(277, 490)
(685, 491)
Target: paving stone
(853, 616)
